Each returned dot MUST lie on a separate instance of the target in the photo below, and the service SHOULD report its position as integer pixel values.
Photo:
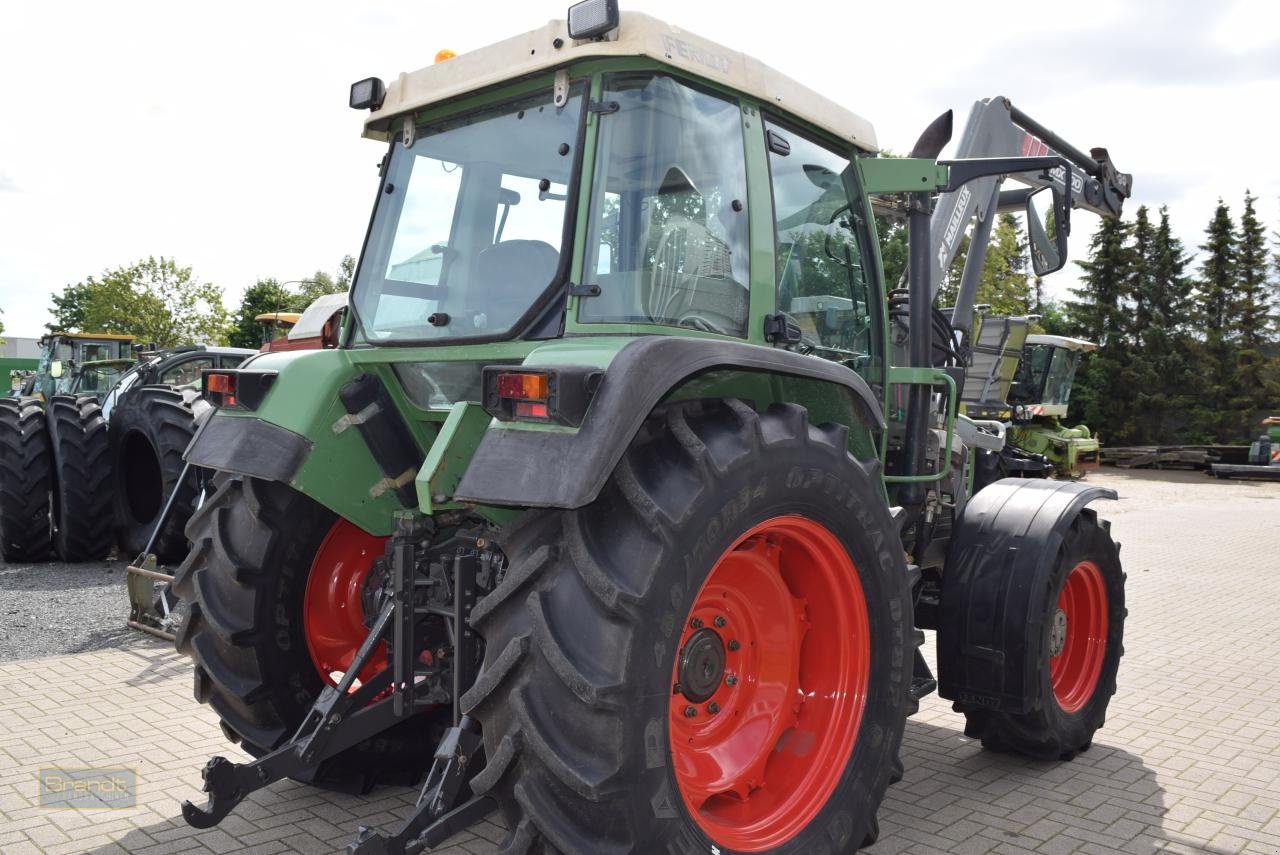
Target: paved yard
(1189, 760)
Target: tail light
(235, 388)
(557, 395)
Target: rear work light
(220, 388)
(235, 388)
(558, 395)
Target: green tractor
(1038, 399)
(625, 516)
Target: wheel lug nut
(690, 712)
(696, 623)
(720, 621)
(677, 689)
(733, 644)
(731, 680)
(713, 708)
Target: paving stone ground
(1189, 760)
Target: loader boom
(996, 128)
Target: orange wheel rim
(770, 684)
(1078, 637)
(332, 607)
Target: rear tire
(241, 589)
(150, 429)
(26, 481)
(82, 466)
(581, 721)
(1077, 661)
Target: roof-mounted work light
(592, 19)
(367, 94)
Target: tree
(321, 283)
(1097, 314)
(1216, 314)
(155, 300)
(1252, 310)
(893, 249)
(1004, 284)
(265, 295)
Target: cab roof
(637, 35)
(94, 336)
(1063, 342)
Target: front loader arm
(996, 128)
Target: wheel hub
(1058, 632)
(701, 667)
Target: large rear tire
(255, 545)
(736, 591)
(26, 481)
(82, 480)
(150, 429)
(1079, 633)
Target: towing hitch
(346, 714)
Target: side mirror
(55, 370)
(1048, 224)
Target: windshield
(468, 231)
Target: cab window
(824, 274)
(186, 372)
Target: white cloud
(220, 135)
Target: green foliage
(156, 300)
(893, 249)
(265, 295)
(321, 283)
(1184, 359)
(1004, 284)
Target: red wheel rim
(1078, 637)
(332, 611)
(759, 757)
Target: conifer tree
(1252, 321)
(1101, 396)
(1216, 315)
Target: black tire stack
(26, 481)
(82, 478)
(150, 429)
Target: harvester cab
(625, 447)
(1039, 399)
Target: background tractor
(91, 465)
(625, 500)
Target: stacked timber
(1167, 456)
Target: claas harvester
(627, 495)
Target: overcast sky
(219, 134)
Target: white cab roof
(312, 322)
(637, 35)
(1062, 341)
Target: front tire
(607, 630)
(1079, 641)
(26, 481)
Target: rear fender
(564, 468)
(1001, 557)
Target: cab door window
(185, 372)
(824, 274)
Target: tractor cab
(275, 326)
(61, 352)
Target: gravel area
(50, 609)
